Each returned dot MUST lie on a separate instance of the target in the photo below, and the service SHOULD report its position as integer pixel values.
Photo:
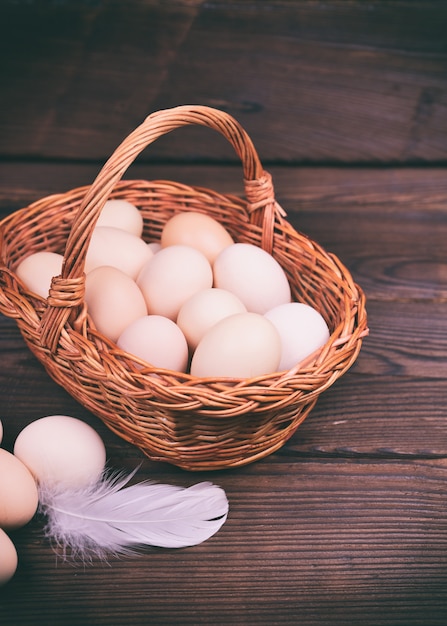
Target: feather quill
(113, 517)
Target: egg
(203, 310)
(172, 276)
(198, 230)
(18, 492)
(154, 246)
(113, 300)
(243, 345)
(121, 214)
(61, 451)
(253, 275)
(302, 330)
(158, 341)
(117, 248)
(37, 270)
(8, 560)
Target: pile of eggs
(196, 301)
(57, 451)
(18, 504)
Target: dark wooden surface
(340, 81)
(345, 101)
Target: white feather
(110, 517)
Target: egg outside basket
(194, 423)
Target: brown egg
(113, 300)
(8, 560)
(18, 492)
(204, 309)
(197, 230)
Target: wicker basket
(194, 423)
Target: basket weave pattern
(194, 423)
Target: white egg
(117, 248)
(172, 276)
(253, 275)
(158, 341)
(61, 451)
(113, 300)
(244, 345)
(204, 309)
(302, 330)
(37, 270)
(121, 214)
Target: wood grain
(346, 103)
(299, 544)
(346, 523)
(387, 225)
(319, 82)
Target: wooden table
(347, 523)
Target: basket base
(220, 454)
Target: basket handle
(67, 290)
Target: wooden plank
(387, 225)
(332, 541)
(300, 189)
(392, 402)
(319, 81)
(346, 523)
(374, 417)
(406, 339)
(354, 190)
(76, 76)
(312, 81)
